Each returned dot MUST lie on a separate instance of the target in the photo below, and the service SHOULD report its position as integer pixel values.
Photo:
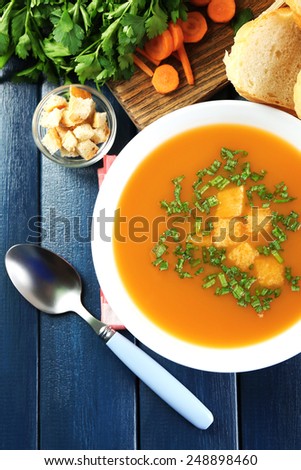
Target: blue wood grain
(87, 397)
(162, 428)
(270, 403)
(19, 178)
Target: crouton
(66, 153)
(243, 255)
(52, 141)
(80, 109)
(78, 92)
(87, 149)
(51, 119)
(228, 232)
(55, 101)
(269, 272)
(69, 141)
(100, 134)
(259, 223)
(65, 120)
(83, 132)
(62, 131)
(99, 120)
(230, 202)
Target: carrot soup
(207, 240)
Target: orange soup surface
(181, 305)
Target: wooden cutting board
(144, 105)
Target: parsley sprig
(94, 39)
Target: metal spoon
(52, 285)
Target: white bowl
(236, 359)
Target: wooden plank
(87, 395)
(144, 105)
(19, 176)
(162, 428)
(270, 403)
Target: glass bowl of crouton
(74, 125)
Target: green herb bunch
(94, 39)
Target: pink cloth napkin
(107, 315)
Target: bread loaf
(265, 59)
(295, 6)
(297, 95)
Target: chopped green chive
(157, 261)
(214, 167)
(257, 176)
(209, 281)
(198, 224)
(206, 205)
(279, 234)
(159, 249)
(290, 221)
(176, 206)
(277, 256)
(163, 266)
(293, 280)
(222, 279)
(222, 290)
(199, 271)
(238, 292)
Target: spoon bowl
(48, 282)
(52, 285)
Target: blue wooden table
(60, 387)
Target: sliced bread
(265, 59)
(297, 95)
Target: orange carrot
(142, 52)
(177, 35)
(195, 27)
(142, 66)
(199, 3)
(186, 65)
(165, 79)
(221, 11)
(159, 47)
